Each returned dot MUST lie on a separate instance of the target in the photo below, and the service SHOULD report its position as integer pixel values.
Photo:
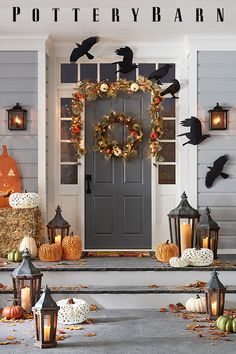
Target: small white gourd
(29, 242)
(72, 311)
(196, 304)
(198, 257)
(24, 200)
(178, 262)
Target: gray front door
(118, 207)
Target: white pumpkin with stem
(198, 257)
(196, 304)
(178, 262)
(29, 242)
(25, 200)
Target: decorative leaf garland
(90, 91)
(110, 147)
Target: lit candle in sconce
(17, 121)
(25, 298)
(47, 333)
(217, 121)
(58, 240)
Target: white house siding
(18, 83)
(217, 83)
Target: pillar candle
(205, 242)
(47, 333)
(58, 240)
(185, 236)
(25, 298)
(214, 307)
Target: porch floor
(122, 331)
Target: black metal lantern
(26, 283)
(218, 118)
(207, 232)
(57, 228)
(215, 297)
(45, 316)
(17, 118)
(182, 223)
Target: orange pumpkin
(71, 247)
(14, 311)
(9, 177)
(164, 251)
(50, 253)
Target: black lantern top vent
(58, 221)
(207, 222)
(46, 301)
(26, 268)
(214, 282)
(184, 209)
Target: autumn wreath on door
(90, 91)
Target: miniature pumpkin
(14, 256)
(198, 257)
(50, 253)
(72, 311)
(178, 262)
(9, 177)
(196, 304)
(29, 242)
(14, 311)
(164, 251)
(226, 323)
(24, 200)
(71, 247)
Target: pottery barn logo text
(155, 14)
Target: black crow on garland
(172, 89)
(126, 65)
(83, 49)
(159, 73)
(195, 135)
(216, 170)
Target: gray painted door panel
(118, 210)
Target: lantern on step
(182, 223)
(17, 118)
(207, 232)
(45, 316)
(26, 283)
(218, 118)
(215, 297)
(57, 228)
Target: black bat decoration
(159, 73)
(172, 89)
(195, 135)
(83, 49)
(216, 170)
(127, 64)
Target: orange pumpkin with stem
(14, 311)
(50, 253)
(165, 251)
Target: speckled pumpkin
(164, 251)
(71, 247)
(50, 253)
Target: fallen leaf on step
(89, 321)
(28, 316)
(74, 328)
(173, 308)
(90, 334)
(11, 342)
(11, 338)
(163, 309)
(61, 331)
(82, 286)
(180, 306)
(61, 337)
(152, 286)
(93, 307)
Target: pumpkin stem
(167, 242)
(72, 233)
(197, 248)
(70, 301)
(4, 150)
(197, 297)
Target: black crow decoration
(83, 49)
(159, 73)
(216, 170)
(195, 135)
(172, 89)
(127, 64)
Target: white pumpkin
(178, 262)
(72, 311)
(196, 304)
(29, 242)
(24, 200)
(198, 257)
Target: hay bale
(17, 223)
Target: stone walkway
(122, 332)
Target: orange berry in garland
(153, 136)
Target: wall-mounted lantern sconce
(17, 117)
(218, 118)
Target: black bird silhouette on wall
(195, 135)
(172, 89)
(126, 65)
(83, 49)
(159, 73)
(216, 170)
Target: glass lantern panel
(47, 327)
(214, 304)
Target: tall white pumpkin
(29, 242)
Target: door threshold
(117, 254)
